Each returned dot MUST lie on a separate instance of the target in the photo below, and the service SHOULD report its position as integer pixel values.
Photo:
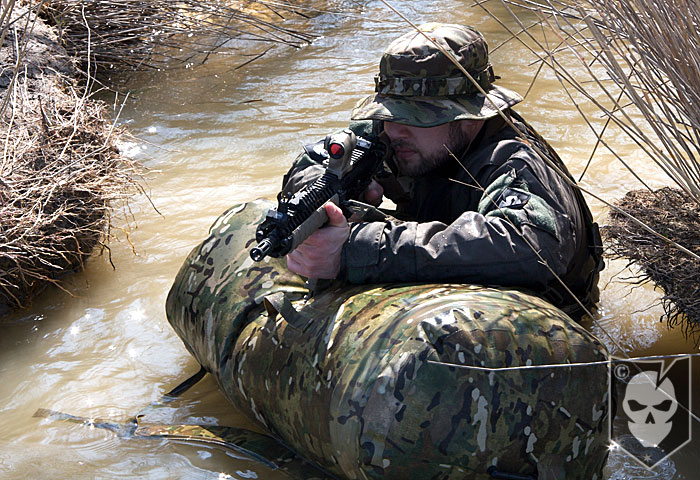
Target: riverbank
(61, 173)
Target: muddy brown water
(214, 136)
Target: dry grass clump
(671, 213)
(139, 34)
(59, 168)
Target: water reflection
(215, 136)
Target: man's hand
(319, 255)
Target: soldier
(476, 202)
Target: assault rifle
(351, 162)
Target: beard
(424, 162)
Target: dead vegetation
(60, 170)
(153, 34)
(671, 213)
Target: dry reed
(648, 52)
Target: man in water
(480, 202)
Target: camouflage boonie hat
(419, 85)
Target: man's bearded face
(418, 150)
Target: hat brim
(433, 111)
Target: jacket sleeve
(520, 224)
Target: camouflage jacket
(482, 223)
